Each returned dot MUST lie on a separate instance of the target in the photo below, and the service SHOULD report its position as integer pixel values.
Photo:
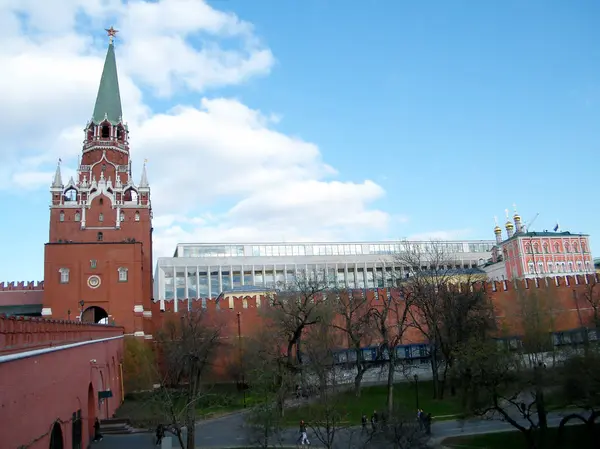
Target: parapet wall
(21, 334)
(21, 286)
(570, 306)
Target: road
(229, 431)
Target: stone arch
(56, 437)
(95, 314)
(91, 411)
(130, 194)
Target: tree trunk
(361, 369)
(390, 384)
(434, 373)
(357, 381)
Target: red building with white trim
(525, 254)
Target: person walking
(428, 423)
(363, 421)
(160, 434)
(303, 434)
(374, 420)
(97, 435)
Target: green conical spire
(108, 101)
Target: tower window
(101, 218)
(100, 237)
(122, 217)
(64, 275)
(77, 216)
(61, 216)
(106, 131)
(122, 274)
(101, 202)
(137, 216)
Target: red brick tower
(98, 262)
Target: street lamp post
(69, 314)
(81, 304)
(416, 377)
(239, 323)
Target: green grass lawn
(142, 409)
(375, 397)
(576, 437)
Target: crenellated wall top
(21, 286)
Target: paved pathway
(228, 431)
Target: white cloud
(219, 170)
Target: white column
(220, 280)
(197, 281)
(346, 275)
(208, 269)
(187, 295)
(118, 217)
(242, 275)
(175, 306)
(83, 208)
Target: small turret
(57, 182)
(517, 220)
(510, 228)
(144, 181)
(498, 231)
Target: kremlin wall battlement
(565, 297)
(570, 307)
(21, 286)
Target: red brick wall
(19, 334)
(566, 294)
(40, 390)
(116, 298)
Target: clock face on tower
(93, 281)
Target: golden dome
(497, 230)
(509, 224)
(517, 217)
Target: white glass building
(204, 270)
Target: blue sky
(456, 110)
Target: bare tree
(592, 297)
(353, 320)
(401, 431)
(325, 416)
(291, 312)
(389, 315)
(580, 386)
(139, 372)
(265, 374)
(534, 316)
(187, 347)
(446, 306)
(512, 381)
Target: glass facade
(324, 249)
(206, 270)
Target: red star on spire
(111, 33)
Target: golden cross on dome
(111, 33)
